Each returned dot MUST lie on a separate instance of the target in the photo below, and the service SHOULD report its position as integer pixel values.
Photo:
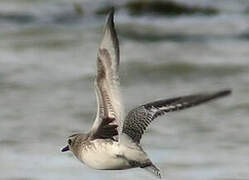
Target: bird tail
(154, 170)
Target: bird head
(73, 141)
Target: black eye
(69, 142)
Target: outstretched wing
(108, 121)
(139, 118)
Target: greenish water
(47, 67)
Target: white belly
(104, 156)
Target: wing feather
(107, 83)
(139, 118)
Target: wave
(157, 72)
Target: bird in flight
(113, 142)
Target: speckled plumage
(139, 118)
(114, 141)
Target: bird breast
(103, 154)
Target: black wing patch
(139, 118)
(106, 130)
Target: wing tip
(110, 29)
(224, 92)
(110, 17)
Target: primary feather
(139, 118)
(107, 83)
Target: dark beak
(65, 149)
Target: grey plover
(114, 142)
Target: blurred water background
(47, 67)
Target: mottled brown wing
(139, 118)
(107, 84)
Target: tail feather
(154, 170)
